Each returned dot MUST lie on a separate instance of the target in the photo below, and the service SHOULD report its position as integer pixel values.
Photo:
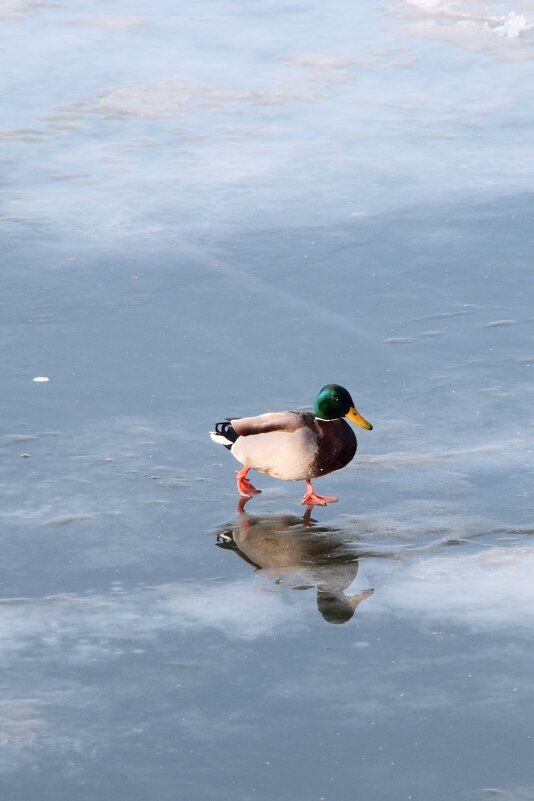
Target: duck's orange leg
(311, 499)
(244, 487)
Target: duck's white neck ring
(330, 420)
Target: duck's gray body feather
(293, 445)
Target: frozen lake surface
(217, 211)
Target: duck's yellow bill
(354, 415)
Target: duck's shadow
(299, 553)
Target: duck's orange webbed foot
(244, 487)
(311, 499)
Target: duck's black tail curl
(224, 434)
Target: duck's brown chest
(336, 446)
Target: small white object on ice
(40, 379)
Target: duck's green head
(334, 401)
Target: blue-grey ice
(218, 208)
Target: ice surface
(215, 211)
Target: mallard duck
(295, 446)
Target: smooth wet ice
(215, 211)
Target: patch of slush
(474, 25)
(490, 590)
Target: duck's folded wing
(271, 421)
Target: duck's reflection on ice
(299, 553)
